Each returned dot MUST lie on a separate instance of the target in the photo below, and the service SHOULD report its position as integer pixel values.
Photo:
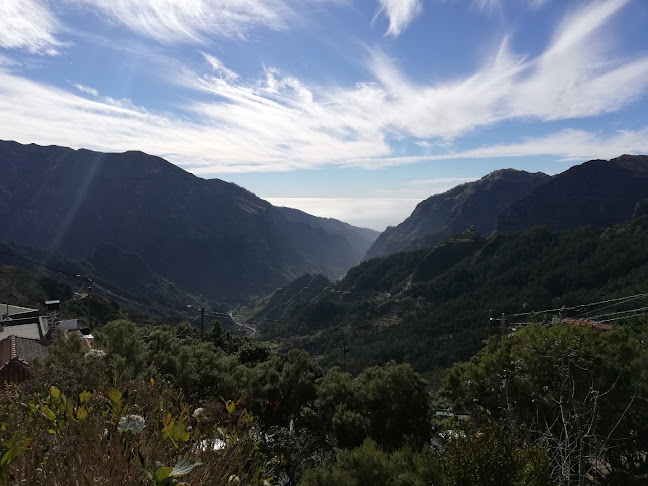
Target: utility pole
(345, 350)
(503, 325)
(89, 284)
(202, 323)
(489, 322)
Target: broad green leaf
(55, 392)
(162, 473)
(12, 453)
(84, 396)
(180, 433)
(49, 415)
(81, 413)
(114, 395)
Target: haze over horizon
(346, 109)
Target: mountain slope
(431, 307)
(360, 239)
(598, 193)
(208, 236)
(472, 204)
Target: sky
(353, 109)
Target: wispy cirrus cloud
(86, 89)
(30, 26)
(400, 14)
(442, 180)
(490, 5)
(566, 145)
(219, 67)
(278, 122)
(192, 21)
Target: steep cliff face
(475, 204)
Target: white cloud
(569, 145)
(28, 25)
(279, 123)
(491, 5)
(86, 89)
(575, 76)
(400, 13)
(442, 180)
(219, 67)
(375, 213)
(171, 21)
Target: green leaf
(230, 406)
(162, 473)
(180, 433)
(55, 392)
(81, 413)
(14, 451)
(84, 396)
(49, 415)
(114, 395)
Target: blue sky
(354, 109)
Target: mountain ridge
(599, 193)
(474, 204)
(207, 235)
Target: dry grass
(78, 440)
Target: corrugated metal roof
(69, 324)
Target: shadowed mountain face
(598, 193)
(208, 236)
(476, 204)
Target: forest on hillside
(546, 405)
(431, 307)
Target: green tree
(581, 390)
(388, 403)
(370, 465)
(126, 350)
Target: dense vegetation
(431, 308)
(547, 405)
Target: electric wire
(563, 309)
(184, 313)
(38, 263)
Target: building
(15, 355)
(24, 335)
(21, 322)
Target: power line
(624, 317)
(38, 263)
(563, 309)
(628, 299)
(619, 312)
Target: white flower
(95, 353)
(198, 413)
(133, 423)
